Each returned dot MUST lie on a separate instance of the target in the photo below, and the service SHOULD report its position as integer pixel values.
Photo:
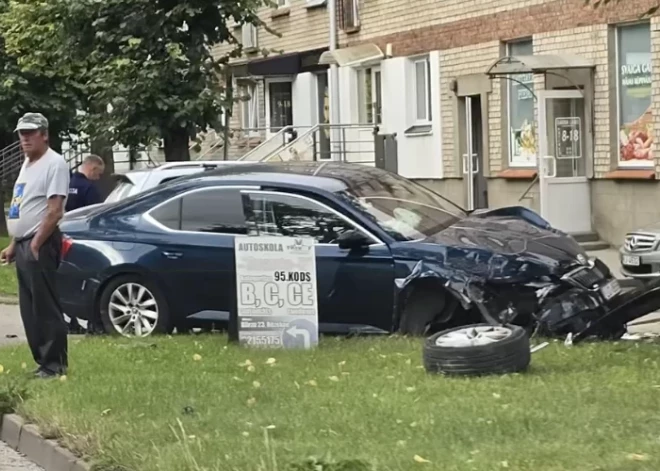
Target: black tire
(163, 323)
(422, 308)
(509, 355)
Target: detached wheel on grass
(478, 349)
(132, 306)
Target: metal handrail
(278, 135)
(293, 142)
(217, 144)
(529, 188)
(342, 151)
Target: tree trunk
(107, 182)
(177, 145)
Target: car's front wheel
(132, 306)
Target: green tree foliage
(33, 90)
(145, 68)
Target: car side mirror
(352, 239)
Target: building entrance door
(564, 186)
(473, 158)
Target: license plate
(611, 289)
(630, 260)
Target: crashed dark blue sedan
(392, 256)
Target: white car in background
(139, 180)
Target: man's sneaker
(45, 374)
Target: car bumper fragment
(578, 311)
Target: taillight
(66, 245)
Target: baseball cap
(31, 121)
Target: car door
(196, 250)
(355, 288)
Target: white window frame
(617, 62)
(507, 103)
(251, 106)
(249, 37)
(282, 4)
(426, 60)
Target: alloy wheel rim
(133, 310)
(473, 336)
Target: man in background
(83, 192)
(82, 189)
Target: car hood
(512, 237)
(653, 228)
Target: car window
(293, 216)
(120, 191)
(169, 179)
(217, 210)
(169, 214)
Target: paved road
(12, 461)
(10, 325)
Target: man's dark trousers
(44, 323)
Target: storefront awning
(361, 55)
(281, 64)
(511, 65)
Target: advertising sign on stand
(276, 292)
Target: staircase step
(595, 245)
(586, 237)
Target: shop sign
(636, 75)
(568, 137)
(636, 128)
(276, 291)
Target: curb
(26, 439)
(5, 299)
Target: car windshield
(404, 209)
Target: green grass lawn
(8, 284)
(194, 403)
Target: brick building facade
(430, 87)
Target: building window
(282, 3)
(422, 75)
(635, 123)
(280, 104)
(248, 93)
(350, 15)
(520, 111)
(370, 96)
(249, 36)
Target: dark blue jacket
(82, 192)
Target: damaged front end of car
(582, 299)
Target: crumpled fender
(467, 289)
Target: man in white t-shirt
(35, 211)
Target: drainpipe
(333, 85)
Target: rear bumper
(77, 294)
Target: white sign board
(276, 291)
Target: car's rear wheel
(132, 306)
